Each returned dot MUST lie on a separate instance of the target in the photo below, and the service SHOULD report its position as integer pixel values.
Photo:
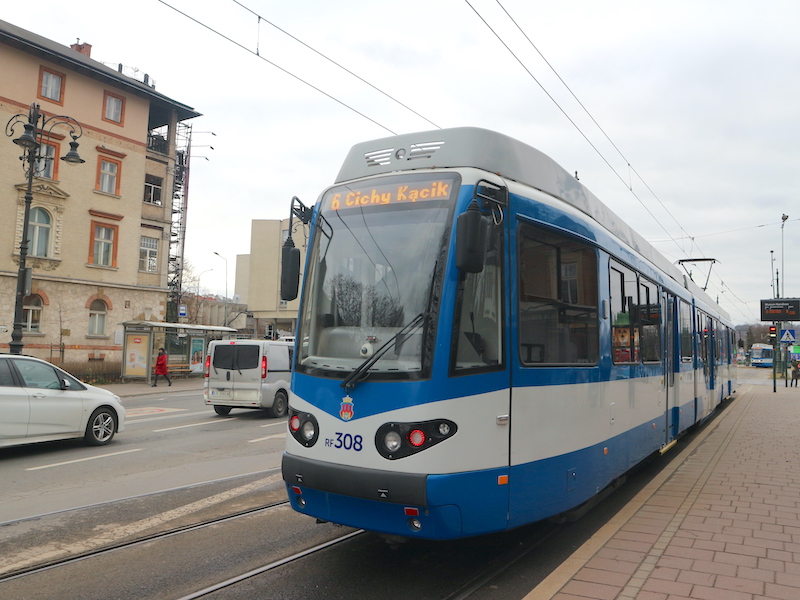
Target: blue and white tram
(481, 343)
(761, 355)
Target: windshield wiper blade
(362, 370)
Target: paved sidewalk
(721, 524)
(141, 388)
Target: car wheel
(222, 411)
(279, 405)
(101, 427)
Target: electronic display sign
(780, 309)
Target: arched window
(97, 317)
(32, 313)
(39, 233)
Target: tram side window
(478, 333)
(649, 310)
(703, 330)
(685, 317)
(557, 299)
(624, 289)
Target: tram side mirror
(472, 231)
(290, 270)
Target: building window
(51, 85)
(32, 313)
(46, 164)
(152, 189)
(97, 317)
(148, 255)
(103, 249)
(39, 228)
(113, 108)
(108, 176)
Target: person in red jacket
(161, 366)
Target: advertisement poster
(196, 355)
(136, 348)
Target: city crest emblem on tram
(346, 410)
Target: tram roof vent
(381, 158)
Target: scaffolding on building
(180, 201)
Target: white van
(248, 374)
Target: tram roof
(507, 157)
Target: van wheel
(222, 411)
(101, 427)
(279, 405)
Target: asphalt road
(170, 441)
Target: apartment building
(101, 234)
(258, 277)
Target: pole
(771, 278)
(783, 270)
(16, 343)
(36, 126)
(775, 361)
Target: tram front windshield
(376, 259)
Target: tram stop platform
(721, 522)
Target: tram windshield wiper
(362, 370)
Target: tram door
(705, 381)
(670, 396)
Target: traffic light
(773, 332)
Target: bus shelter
(185, 344)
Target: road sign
(787, 336)
(181, 310)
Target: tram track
(232, 581)
(139, 540)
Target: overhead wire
(564, 112)
(343, 68)
(720, 232)
(257, 53)
(277, 66)
(584, 135)
(589, 114)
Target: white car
(40, 402)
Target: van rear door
(235, 374)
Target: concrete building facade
(100, 232)
(258, 277)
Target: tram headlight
(308, 430)
(392, 441)
(304, 427)
(398, 440)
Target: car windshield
(375, 260)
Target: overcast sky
(696, 101)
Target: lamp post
(783, 269)
(226, 286)
(37, 129)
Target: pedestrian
(795, 373)
(161, 367)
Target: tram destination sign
(780, 309)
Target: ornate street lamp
(37, 128)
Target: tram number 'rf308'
(345, 441)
